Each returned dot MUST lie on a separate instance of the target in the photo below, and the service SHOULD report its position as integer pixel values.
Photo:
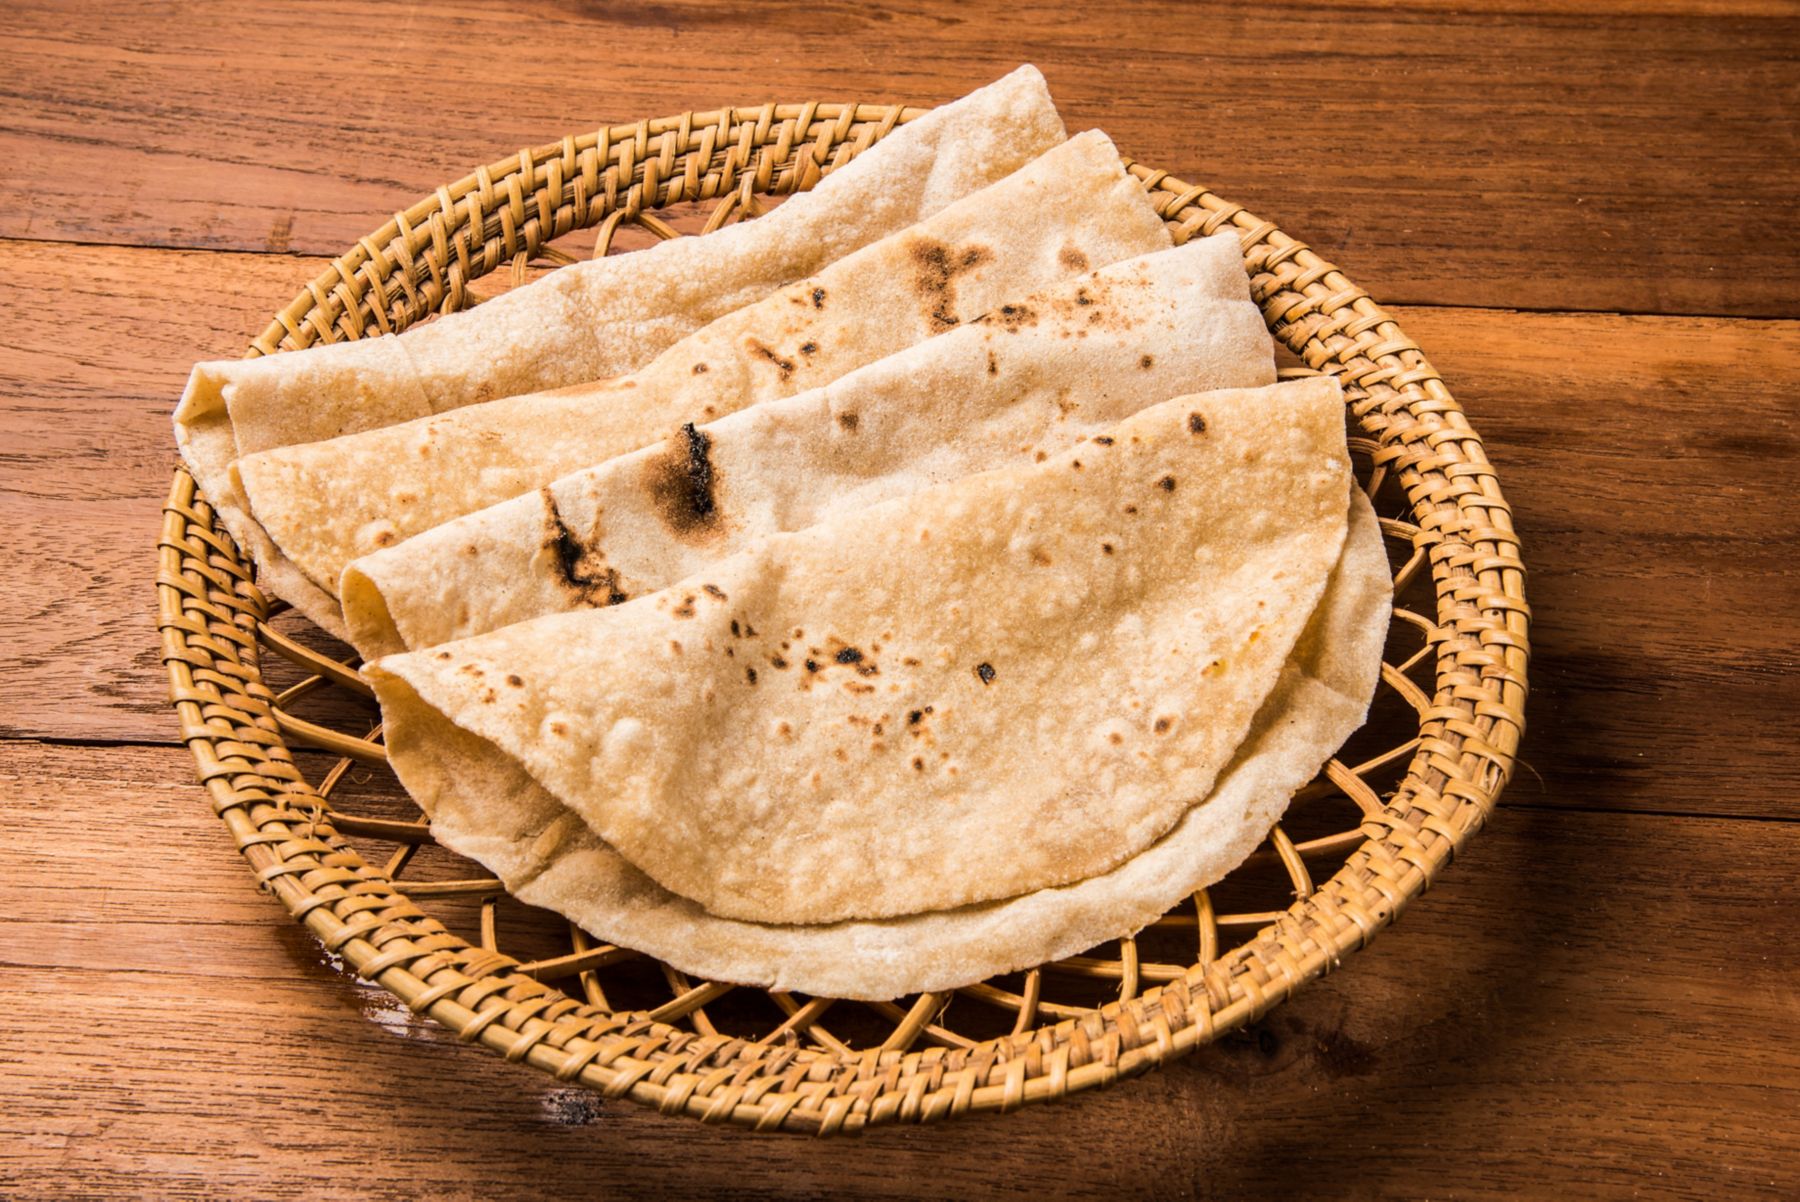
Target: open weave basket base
(288, 744)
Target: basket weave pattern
(1456, 542)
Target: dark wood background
(1584, 210)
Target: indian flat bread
(1041, 375)
(324, 504)
(611, 315)
(484, 805)
(1002, 684)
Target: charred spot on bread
(780, 362)
(682, 483)
(579, 567)
(935, 268)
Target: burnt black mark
(1196, 424)
(993, 364)
(737, 631)
(849, 655)
(809, 348)
(1103, 440)
(514, 680)
(1083, 297)
(818, 298)
(1147, 362)
(1167, 484)
(713, 590)
(750, 675)
(1162, 726)
(1107, 548)
(777, 662)
(578, 567)
(1012, 318)
(681, 481)
(812, 665)
(782, 364)
(699, 498)
(986, 672)
(849, 421)
(935, 268)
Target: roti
(1006, 683)
(1049, 371)
(324, 504)
(609, 316)
(485, 806)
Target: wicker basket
(1376, 827)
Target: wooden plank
(1630, 481)
(1587, 1000)
(1546, 154)
(1650, 463)
(94, 350)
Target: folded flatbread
(485, 806)
(323, 504)
(611, 315)
(1042, 374)
(1006, 683)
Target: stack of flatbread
(922, 582)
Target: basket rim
(421, 260)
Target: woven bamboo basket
(327, 832)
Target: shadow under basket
(287, 741)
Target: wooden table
(1583, 210)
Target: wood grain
(1544, 154)
(1597, 1002)
(1617, 499)
(1505, 1031)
